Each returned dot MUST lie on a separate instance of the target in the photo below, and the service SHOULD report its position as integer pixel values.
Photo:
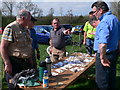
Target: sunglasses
(94, 11)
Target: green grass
(86, 81)
(118, 74)
(82, 82)
(1, 73)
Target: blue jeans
(89, 45)
(106, 76)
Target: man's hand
(105, 62)
(38, 56)
(8, 67)
(67, 32)
(50, 50)
(38, 53)
(84, 42)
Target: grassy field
(1, 70)
(82, 82)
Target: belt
(90, 38)
(107, 53)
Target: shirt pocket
(19, 37)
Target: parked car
(1, 30)
(43, 34)
(78, 29)
(66, 26)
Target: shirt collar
(57, 28)
(107, 13)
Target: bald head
(55, 23)
(23, 13)
(23, 17)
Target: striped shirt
(7, 34)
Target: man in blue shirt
(106, 45)
(34, 42)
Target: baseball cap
(33, 19)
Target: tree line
(46, 20)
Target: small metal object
(48, 65)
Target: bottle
(48, 65)
(42, 67)
(45, 79)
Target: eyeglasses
(94, 11)
(55, 23)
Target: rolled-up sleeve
(104, 33)
(7, 34)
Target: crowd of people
(18, 44)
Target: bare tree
(37, 11)
(69, 13)
(25, 5)
(51, 12)
(33, 8)
(115, 7)
(40, 12)
(7, 8)
(61, 11)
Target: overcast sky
(78, 7)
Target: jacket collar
(107, 13)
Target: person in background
(16, 46)
(106, 45)
(88, 37)
(34, 42)
(57, 40)
(94, 21)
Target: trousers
(106, 76)
(89, 45)
(57, 54)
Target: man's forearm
(85, 36)
(50, 43)
(102, 49)
(4, 51)
(4, 55)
